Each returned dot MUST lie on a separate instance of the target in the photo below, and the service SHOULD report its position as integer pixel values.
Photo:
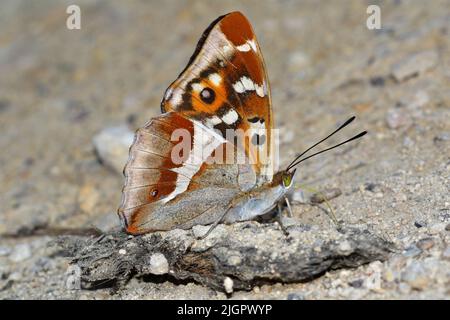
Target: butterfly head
(283, 179)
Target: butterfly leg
(278, 219)
(289, 207)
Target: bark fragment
(248, 253)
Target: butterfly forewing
(225, 86)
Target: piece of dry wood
(249, 253)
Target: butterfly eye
(154, 193)
(287, 179)
(207, 95)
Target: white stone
(228, 285)
(234, 260)
(199, 230)
(345, 247)
(158, 264)
(112, 146)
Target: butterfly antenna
(346, 123)
(359, 135)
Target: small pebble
(358, 283)
(419, 224)
(112, 146)
(345, 247)
(234, 260)
(158, 264)
(228, 285)
(199, 230)
(73, 282)
(425, 244)
(372, 187)
(295, 296)
(122, 251)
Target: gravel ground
(70, 100)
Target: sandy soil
(60, 88)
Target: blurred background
(70, 101)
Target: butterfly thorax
(260, 200)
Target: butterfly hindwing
(166, 189)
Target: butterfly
(224, 88)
